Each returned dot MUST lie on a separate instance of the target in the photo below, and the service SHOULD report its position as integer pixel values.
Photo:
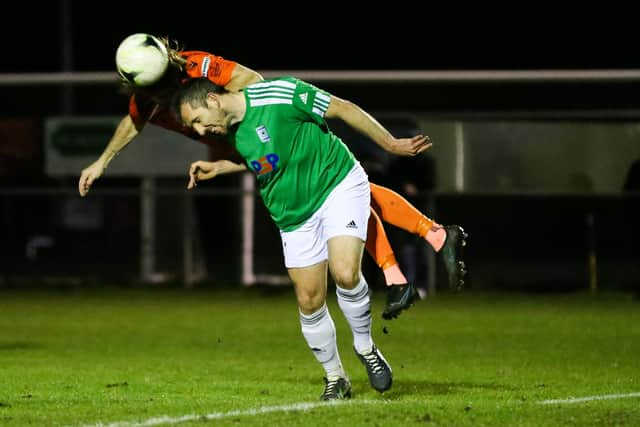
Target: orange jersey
(203, 64)
(199, 64)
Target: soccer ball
(141, 59)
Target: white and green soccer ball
(141, 59)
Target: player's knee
(310, 302)
(346, 277)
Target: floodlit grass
(237, 357)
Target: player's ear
(213, 97)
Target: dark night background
(417, 35)
(341, 36)
(347, 36)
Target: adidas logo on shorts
(352, 224)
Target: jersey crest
(263, 134)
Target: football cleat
(336, 388)
(399, 298)
(378, 369)
(452, 256)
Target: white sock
(320, 332)
(356, 306)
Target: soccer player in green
(318, 195)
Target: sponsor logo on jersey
(265, 164)
(263, 134)
(303, 97)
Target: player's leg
(447, 240)
(305, 254)
(379, 248)
(396, 210)
(400, 293)
(354, 301)
(345, 223)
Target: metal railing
(363, 76)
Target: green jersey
(287, 143)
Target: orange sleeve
(135, 113)
(204, 64)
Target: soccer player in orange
(149, 104)
(448, 241)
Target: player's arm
(242, 77)
(366, 124)
(202, 170)
(124, 133)
(223, 72)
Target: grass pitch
(134, 357)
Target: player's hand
(410, 146)
(88, 175)
(200, 171)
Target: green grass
(94, 356)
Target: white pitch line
(589, 398)
(165, 419)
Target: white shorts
(345, 212)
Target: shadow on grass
(429, 388)
(18, 345)
(417, 388)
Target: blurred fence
(540, 174)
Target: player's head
(197, 104)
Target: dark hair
(194, 92)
